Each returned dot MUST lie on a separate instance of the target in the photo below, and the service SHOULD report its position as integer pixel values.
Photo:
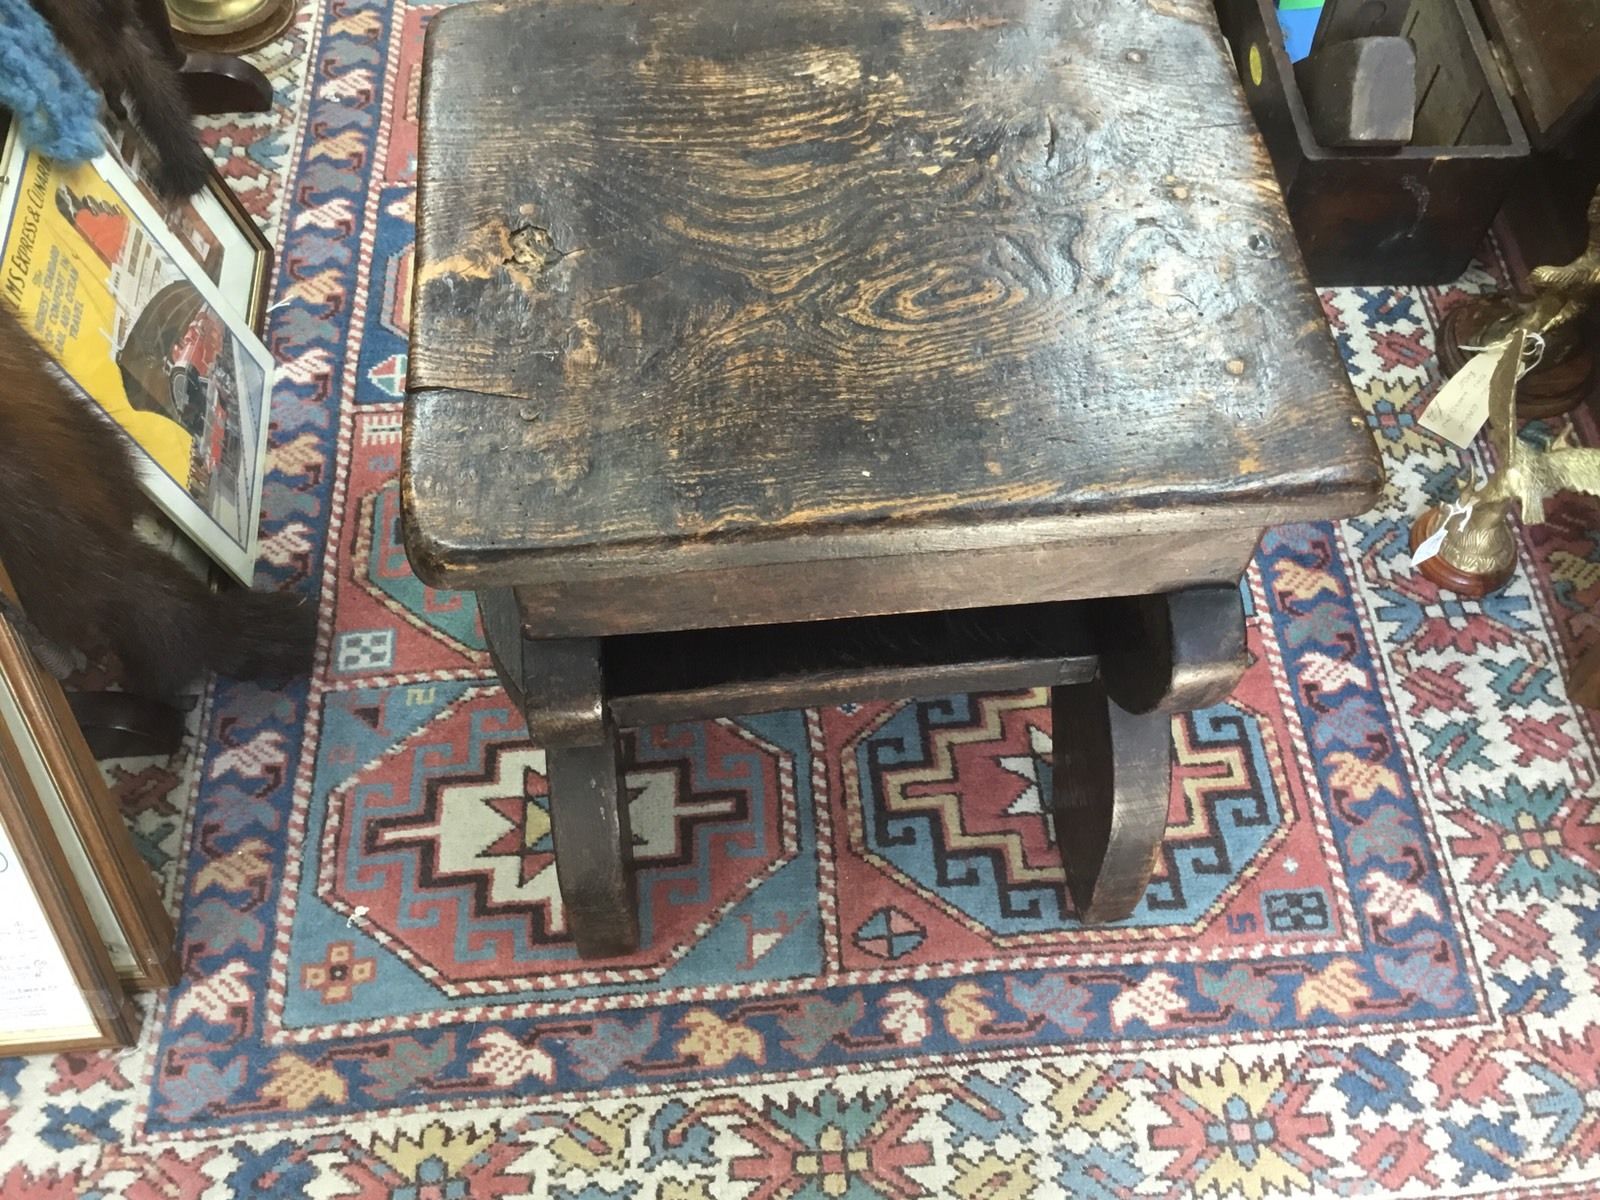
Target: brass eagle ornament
(1559, 296)
(1470, 546)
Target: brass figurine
(1471, 547)
(1560, 297)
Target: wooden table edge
(461, 566)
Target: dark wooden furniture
(858, 349)
(1345, 20)
(214, 81)
(1551, 52)
(1415, 214)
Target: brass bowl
(229, 26)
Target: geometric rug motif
(387, 624)
(438, 846)
(949, 853)
(1368, 964)
(998, 869)
(452, 617)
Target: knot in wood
(532, 246)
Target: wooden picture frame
(215, 206)
(122, 142)
(45, 749)
(51, 946)
(261, 283)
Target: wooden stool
(851, 350)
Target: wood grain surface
(826, 279)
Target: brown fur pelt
(69, 502)
(113, 43)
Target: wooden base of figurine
(223, 83)
(1554, 387)
(1583, 678)
(1452, 578)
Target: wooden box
(1412, 215)
(1549, 51)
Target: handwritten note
(1459, 409)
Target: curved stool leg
(589, 825)
(557, 683)
(1112, 780)
(119, 724)
(1175, 651)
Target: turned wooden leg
(557, 683)
(1113, 745)
(1112, 779)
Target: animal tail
(262, 635)
(161, 112)
(171, 628)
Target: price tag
(1434, 542)
(1459, 409)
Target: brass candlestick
(1471, 547)
(1561, 296)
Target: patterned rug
(1367, 965)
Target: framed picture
(128, 308)
(212, 226)
(58, 987)
(45, 750)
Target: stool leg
(558, 685)
(1113, 762)
(589, 825)
(118, 724)
(1176, 651)
(1112, 780)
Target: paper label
(1430, 547)
(1459, 409)
(1434, 542)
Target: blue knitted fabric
(43, 88)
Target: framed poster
(45, 748)
(212, 226)
(58, 988)
(128, 310)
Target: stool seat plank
(754, 285)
